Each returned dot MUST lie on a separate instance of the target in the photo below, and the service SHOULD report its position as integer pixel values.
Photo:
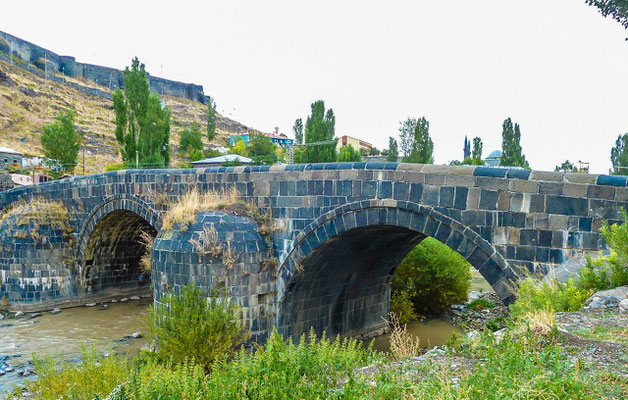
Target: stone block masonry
(344, 228)
(46, 60)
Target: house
(359, 145)
(278, 139)
(228, 158)
(10, 156)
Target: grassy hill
(27, 102)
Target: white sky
(555, 66)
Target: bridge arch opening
(111, 258)
(337, 277)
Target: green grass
(605, 333)
(481, 304)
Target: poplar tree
(211, 118)
(476, 153)
(297, 128)
(512, 154)
(416, 143)
(393, 150)
(142, 121)
(320, 126)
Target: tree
(373, 151)
(142, 121)
(211, 119)
(239, 147)
(262, 149)
(476, 153)
(617, 9)
(393, 150)
(416, 143)
(191, 140)
(619, 155)
(298, 131)
(349, 154)
(512, 155)
(61, 143)
(320, 126)
(567, 166)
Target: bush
(402, 307)
(193, 327)
(435, 277)
(595, 275)
(616, 236)
(92, 377)
(555, 296)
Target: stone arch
(351, 294)
(109, 244)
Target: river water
(64, 334)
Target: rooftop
(9, 150)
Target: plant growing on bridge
(61, 143)
(30, 215)
(192, 327)
(146, 260)
(142, 121)
(184, 211)
(435, 277)
(207, 242)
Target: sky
(556, 67)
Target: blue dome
(495, 154)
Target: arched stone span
(337, 276)
(110, 244)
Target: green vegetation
(211, 119)
(93, 376)
(617, 9)
(393, 150)
(349, 154)
(416, 143)
(433, 276)
(481, 304)
(298, 131)
(191, 142)
(402, 307)
(61, 144)
(320, 126)
(142, 124)
(476, 153)
(512, 155)
(189, 326)
(261, 149)
(554, 296)
(616, 236)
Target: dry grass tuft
(207, 242)
(146, 261)
(402, 343)
(184, 211)
(32, 213)
(229, 257)
(540, 322)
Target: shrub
(93, 376)
(435, 276)
(184, 211)
(554, 296)
(194, 327)
(595, 275)
(481, 304)
(616, 236)
(402, 307)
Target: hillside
(27, 102)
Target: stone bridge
(340, 231)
